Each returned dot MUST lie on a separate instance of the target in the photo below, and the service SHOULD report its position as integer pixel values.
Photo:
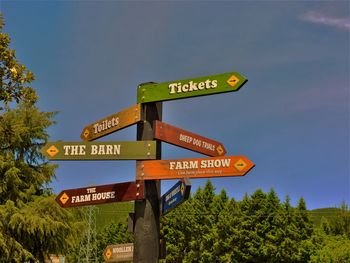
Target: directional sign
(178, 89)
(193, 168)
(187, 140)
(119, 253)
(102, 194)
(112, 123)
(133, 150)
(177, 194)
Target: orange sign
(187, 140)
(112, 123)
(193, 168)
(119, 253)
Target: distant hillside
(116, 212)
(329, 213)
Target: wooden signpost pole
(147, 214)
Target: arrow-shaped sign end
(244, 165)
(85, 134)
(221, 150)
(236, 81)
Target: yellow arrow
(64, 198)
(232, 81)
(52, 151)
(108, 253)
(240, 165)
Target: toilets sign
(112, 123)
(227, 82)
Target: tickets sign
(131, 150)
(101, 194)
(187, 140)
(193, 168)
(112, 123)
(179, 89)
(176, 195)
(119, 253)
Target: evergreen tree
(211, 228)
(272, 231)
(251, 227)
(201, 241)
(213, 245)
(177, 229)
(305, 231)
(340, 224)
(227, 233)
(333, 249)
(32, 225)
(287, 244)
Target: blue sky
(291, 118)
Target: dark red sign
(101, 194)
(187, 140)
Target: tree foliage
(259, 228)
(32, 225)
(15, 78)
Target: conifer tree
(32, 225)
(305, 231)
(340, 224)
(178, 226)
(227, 233)
(201, 235)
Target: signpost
(102, 194)
(119, 253)
(176, 195)
(193, 168)
(132, 150)
(147, 114)
(187, 140)
(112, 123)
(147, 218)
(179, 89)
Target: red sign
(193, 168)
(187, 140)
(102, 194)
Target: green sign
(187, 88)
(133, 150)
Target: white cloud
(315, 17)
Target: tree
(259, 228)
(31, 223)
(177, 228)
(14, 76)
(227, 233)
(201, 239)
(340, 224)
(305, 232)
(334, 249)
